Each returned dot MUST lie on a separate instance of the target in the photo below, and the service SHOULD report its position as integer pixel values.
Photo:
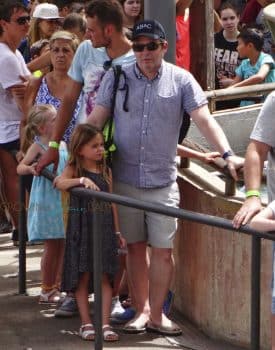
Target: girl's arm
(186, 152)
(27, 165)
(121, 239)
(67, 180)
(263, 221)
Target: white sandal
(87, 334)
(108, 334)
(51, 297)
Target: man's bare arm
(98, 116)
(66, 109)
(214, 134)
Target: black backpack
(184, 127)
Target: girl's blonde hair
(34, 31)
(83, 134)
(37, 116)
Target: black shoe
(5, 227)
(15, 237)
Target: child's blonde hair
(82, 134)
(37, 116)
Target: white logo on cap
(144, 25)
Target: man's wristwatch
(227, 154)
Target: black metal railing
(98, 198)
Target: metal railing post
(97, 271)
(22, 237)
(255, 293)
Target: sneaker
(68, 308)
(126, 316)
(116, 308)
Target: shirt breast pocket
(168, 107)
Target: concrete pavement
(26, 325)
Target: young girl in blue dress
(86, 167)
(45, 215)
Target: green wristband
(252, 193)
(54, 144)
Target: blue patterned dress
(45, 97)
(45, 214)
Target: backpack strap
(117, 72)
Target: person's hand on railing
(121, 241)
(209, 157)
(233, 164)
(49, 157)
(251, 206)
(225, 82)
(88, 183)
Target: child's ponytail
(37, 117)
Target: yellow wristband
(252, 193)
(54, 144)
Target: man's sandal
(87, 334)
(108, 334)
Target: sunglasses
(23, 20)
(152, 46)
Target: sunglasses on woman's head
(152, 46)
(22, 20)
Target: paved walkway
(25, 325)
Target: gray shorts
(138, 225)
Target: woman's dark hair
(227, 5)
(141, 15)
(74, 20)
(107, 12)
(7, 8)
(254, 36)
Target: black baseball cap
(149, 28)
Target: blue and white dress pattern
(45, 97)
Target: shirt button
(146, 101)
(142, 147)
(143, 131)
(145, 116)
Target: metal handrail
(160, 209)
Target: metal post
(165, 12)
(97, 272)
(22, 237)
(255, 293)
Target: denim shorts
(11, 147)
(143, 226)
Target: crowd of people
(56, 96)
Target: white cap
(269, 12)
(46, 11)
